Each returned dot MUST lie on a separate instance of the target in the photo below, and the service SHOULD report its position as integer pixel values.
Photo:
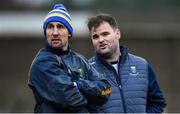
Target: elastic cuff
(78, 84)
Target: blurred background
(150, 28)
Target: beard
(109, 53)
(105, 53)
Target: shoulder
(43, 57)
(137, 59)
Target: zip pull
(69, 71)
(58, 59)
(120, 86)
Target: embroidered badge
(81, 73)
(133, 71)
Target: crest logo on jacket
(81, 73)
(133, 71)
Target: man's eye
(50, 26)
(60, 26)
(105, 34)
(95, 37)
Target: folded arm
(53, 84)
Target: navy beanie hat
(59, 14)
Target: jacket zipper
(118, 80)
(118, 76)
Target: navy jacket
(63, 81)
(134, 87)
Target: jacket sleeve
(96, 89)
(155, 100)
(53, 84)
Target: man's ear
(118, 33)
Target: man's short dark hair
(95, 21)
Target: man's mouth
(102, 46)
(55, 41)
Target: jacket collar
(56, 50)
(124, 54)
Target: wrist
(78, 83)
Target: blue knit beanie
(59, 14)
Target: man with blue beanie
(59, 14)
(62, 80)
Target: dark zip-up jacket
(134, 87)
(63, 81)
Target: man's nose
(101, 39)
(55, 31)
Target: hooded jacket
(134, 86)
(63, 81)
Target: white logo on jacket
(133, 71)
